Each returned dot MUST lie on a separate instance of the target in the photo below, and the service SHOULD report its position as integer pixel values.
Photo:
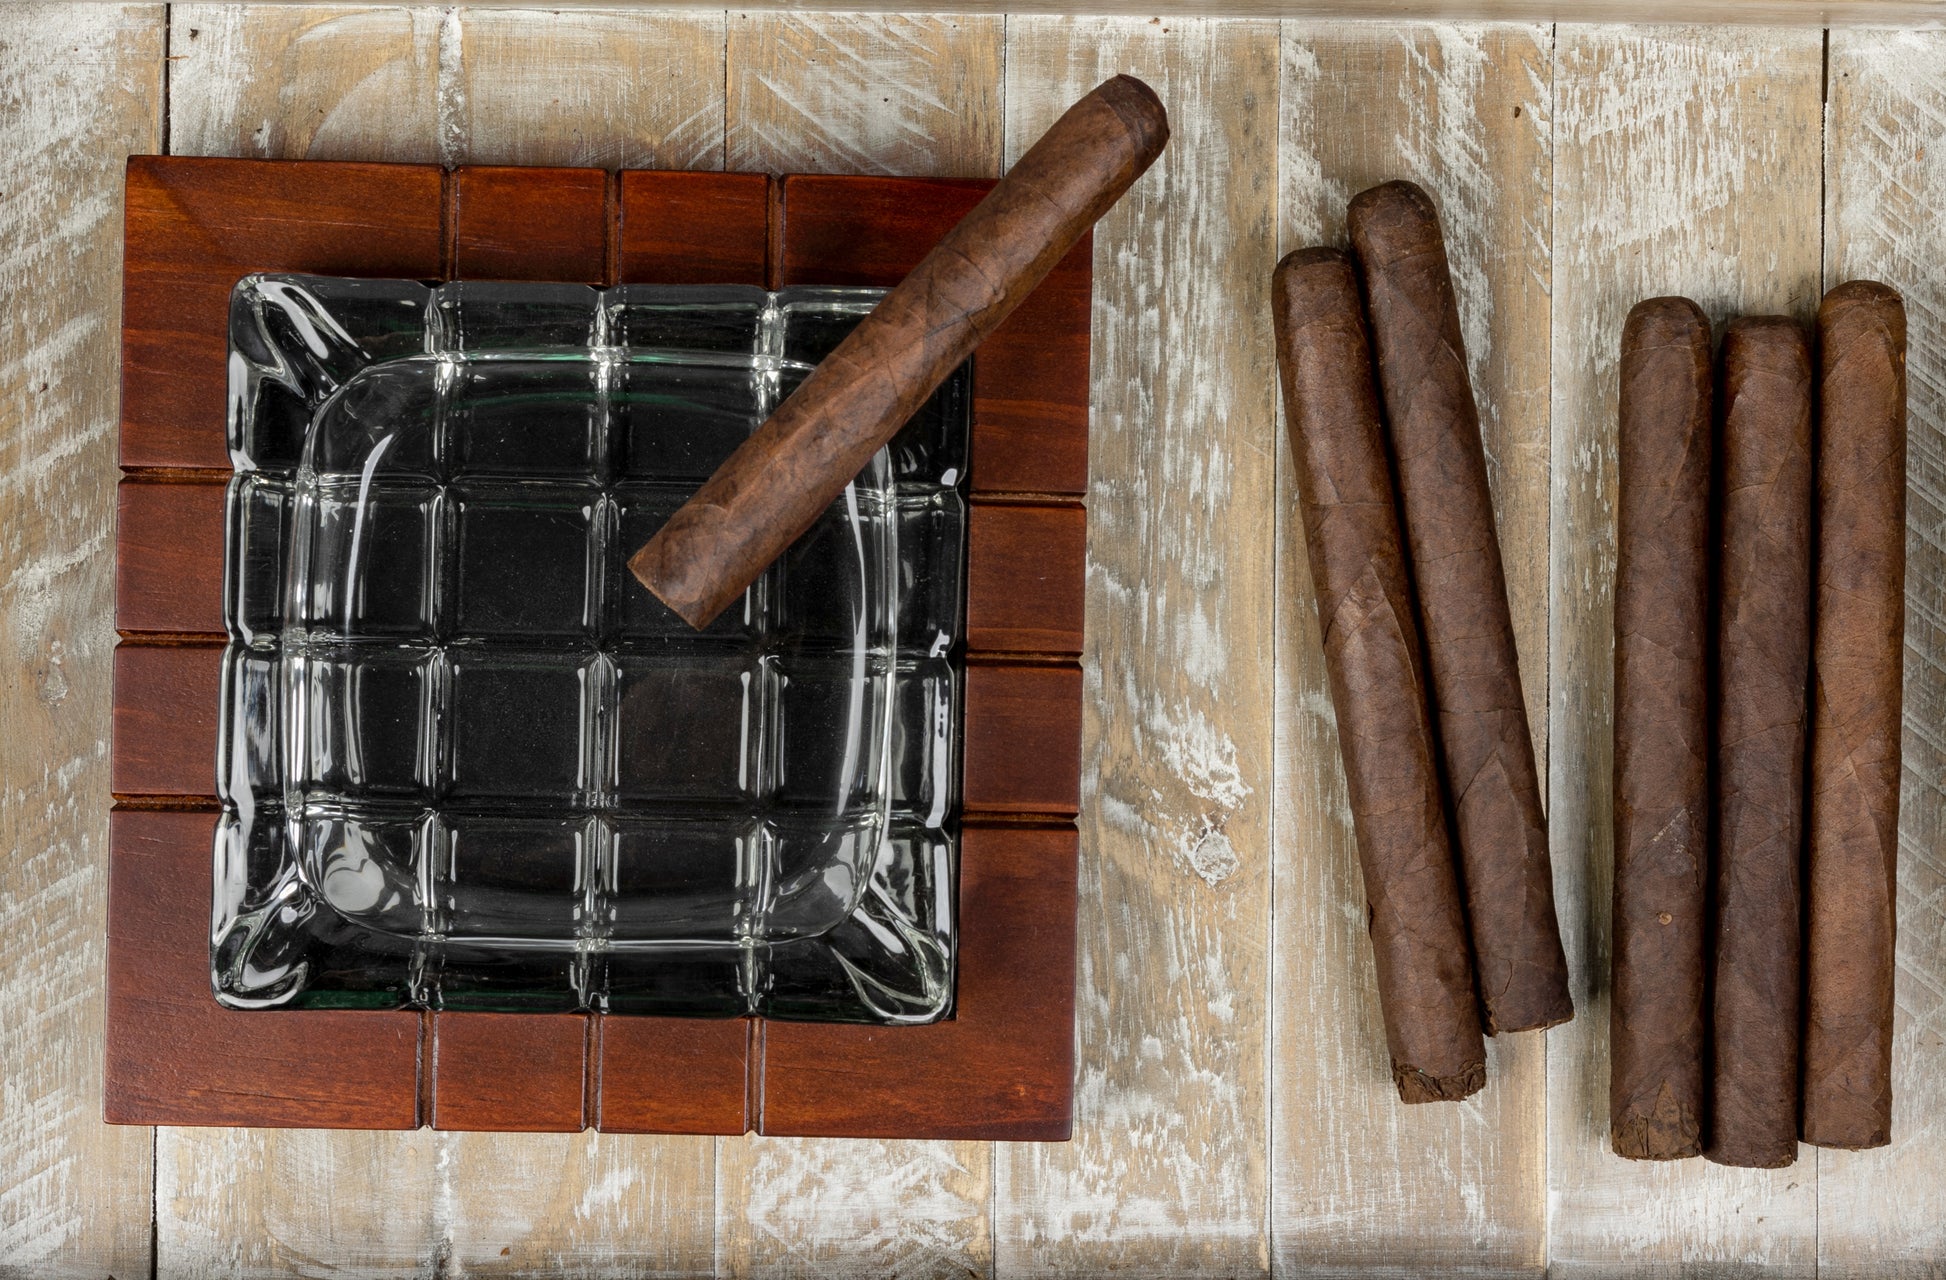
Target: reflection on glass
(469, 763)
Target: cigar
(1656, 1090)
(1371, 652)
(1763, 663)
(784, 476)
(1480, 714)
(1857, 649)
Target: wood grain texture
(1167, 1173)
(602, 89)
(169, 554)
(1686, 162)
(304, 83)
(857, 95)
(165, 726)
(711, 1057)
(529, 224)
(913, 96)
(78, 91)
(509, 1071)
(1837, 14)
(660, 217)
(1464, 112)
(1021, 748)
(1885, 173)
(1025, 577)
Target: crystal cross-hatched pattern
(467, 762)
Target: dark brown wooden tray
(1002, 1067)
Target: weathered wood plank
(910, 96)
(1885, 177)
(396, 84)
(254, 1202)
(890, 94)
(79, 90)
(1167, 1171)
(1686, 161)
(1359, 1180)
(605, 89)
(296, 82)
(292, 83)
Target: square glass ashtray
(466, 761)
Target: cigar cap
(1141, 110)
(1299, 259)
(1659, 321)
(1870, 292)
(779, 480)
(1394, 220)
(1775, 345)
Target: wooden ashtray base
(1001, 1068)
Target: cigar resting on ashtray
(1656, 1103)
(1371, 652)
(785, 475)
(1763, 658)
(1453, 547)
(1857, 650)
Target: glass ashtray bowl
(467, 762)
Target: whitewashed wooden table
(1234, 1113)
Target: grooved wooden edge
(677, 1075)
(1003, 1066)
(510, 1072)
(193, 227)
(174, 1056)
(169, 555)
(1022, 740)
(1026, 578)
(167, 704)
(529, 224)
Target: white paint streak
(78, 92)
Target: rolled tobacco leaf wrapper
(1371, 651)
(1454, 552)
(1857, 648)
(1656, 1089)
(1763, 660)
(779, 480)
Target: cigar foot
(1852, 1141)
(683, 583)
(1554, 1019)
(1140, 109)
(1416, 1086)
(1671, 1131)
(1778, 1159)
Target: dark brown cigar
(785, 475)
(1371, 651)
(1857, 682)
(1763, 659)
(1480, 714)
(1656, 1092)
